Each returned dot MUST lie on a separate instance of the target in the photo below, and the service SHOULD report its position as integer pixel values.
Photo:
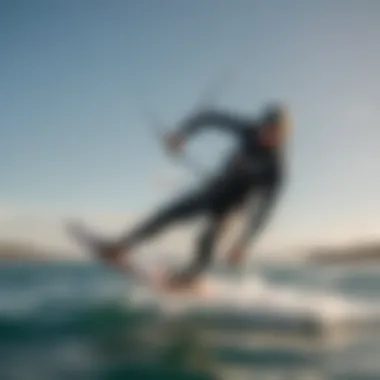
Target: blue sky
(73, 71)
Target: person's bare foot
(102, 248)
(112, 254)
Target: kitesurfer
(255, 169)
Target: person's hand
(174, 142)
(235, 255)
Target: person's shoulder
(251, 127)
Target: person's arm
(220, 120)
(216, 119)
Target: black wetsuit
(252, 169)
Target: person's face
(273, 135)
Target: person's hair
(273, 113)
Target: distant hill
(360, 253)
(27, 251)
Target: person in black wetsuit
(256, 168)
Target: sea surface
(79, 320)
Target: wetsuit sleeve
(219, 120)
(260, 215)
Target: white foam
(250, 298)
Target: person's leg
(182, 209)
(225, 200)
(204, 249)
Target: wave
(55, 306)
(253, 303)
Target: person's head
(274, 125)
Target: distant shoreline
(350, 254)
(344, 255)
(30, 252)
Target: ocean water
(84, 321)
